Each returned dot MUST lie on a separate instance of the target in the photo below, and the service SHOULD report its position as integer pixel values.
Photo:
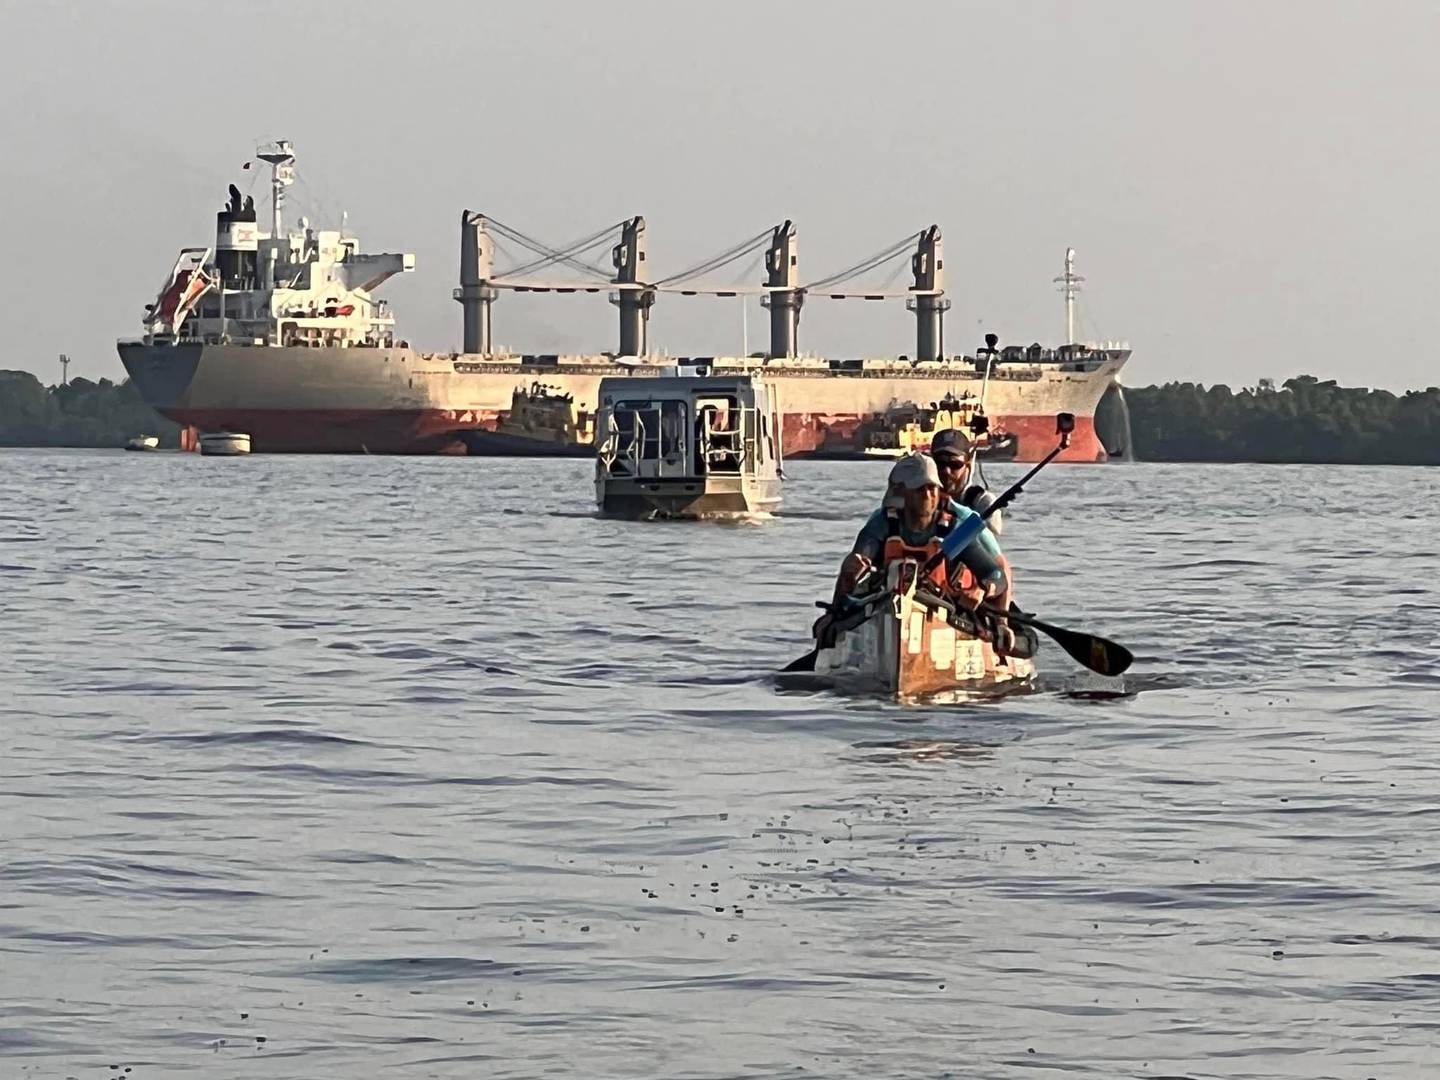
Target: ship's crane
(634, 292)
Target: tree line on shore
(77, 413)
(1304, 420)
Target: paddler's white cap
(911, 471)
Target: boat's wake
(723, 517)
(924, 750)
(1088, 686)
(986, 694)
(1078, 686)
(746, 517)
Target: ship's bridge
(313, 259)
(305, 287)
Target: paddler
(954, 454)
(915, 517)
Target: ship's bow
(161, 373)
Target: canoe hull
(909, 647)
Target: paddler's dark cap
(950, 443)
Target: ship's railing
(958, 369)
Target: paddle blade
(1100, 655)
(805, 663)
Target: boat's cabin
(676, 426)
(545, 407)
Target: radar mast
(281, 157)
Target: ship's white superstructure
(309, 287)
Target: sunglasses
(950, 464)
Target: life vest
(939, 577)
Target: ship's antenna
(282, 174)
(1069, 283)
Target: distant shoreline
(1304, 421)
(79, 414)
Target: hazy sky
(1251, 187)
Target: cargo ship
(278, 334)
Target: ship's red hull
(440, 431)
(337, 431)
(293, 399)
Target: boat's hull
(485, 443)
(399, 401)
(909, 648)
(224, 444)
(688, 498)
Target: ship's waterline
(399, 400)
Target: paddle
(807, 662)
(803, 663)
(1100, 655)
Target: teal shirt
(981, 555)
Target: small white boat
(143, 442)
(907, 641)
(224, 443)
(687, 446)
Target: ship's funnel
(782, 278)
(237, 242)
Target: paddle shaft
(1019, 485)
(1100, 655)
(1005, 498)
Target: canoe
(907, 641)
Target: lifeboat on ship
(224, 443)
(187, 282)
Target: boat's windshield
(649, 430)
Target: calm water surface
(322, 767)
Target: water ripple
(304, 790)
